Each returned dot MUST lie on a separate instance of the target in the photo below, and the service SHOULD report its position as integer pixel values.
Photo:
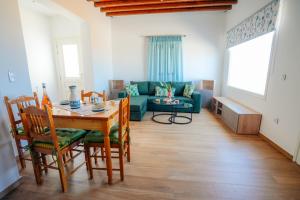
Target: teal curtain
(165, 58)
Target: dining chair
(119, 140)
(89, 95)
(45, 139)
(16, 123)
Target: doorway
(69, 65)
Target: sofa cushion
(152, 86)
(179, 86)
(132, 90)
(143, 86)
(138, 103)
(163, 92)
(188, 90)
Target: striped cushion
(66, 136)
(98, 136)
(20, 131)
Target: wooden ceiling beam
(112, 3)
(156, 11)
(169, 5)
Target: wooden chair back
(12, 105)
(124, 117)
(89, 94)
(38, 123)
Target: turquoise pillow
(163, 92)
(132, 90)
(188, 90)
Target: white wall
(202, 46)
(283, 97)
(97, 32)
(39, 49)
(13, 57)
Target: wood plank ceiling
(137, 7)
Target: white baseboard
(11, 187)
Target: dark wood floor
(203, 160)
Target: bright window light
(71, 60)
(249, 64)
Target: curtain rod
(164, 35)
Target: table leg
(108, 152)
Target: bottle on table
(46, 100)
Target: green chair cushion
(66, 136)
(20, 131)
(143, 86)
(138, 103)
(98, 136)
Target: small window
(249, 64)
(71, 60)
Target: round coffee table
(173, 114)
(176, 108)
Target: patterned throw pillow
(163, 92)
(132, 90)
(188, 90)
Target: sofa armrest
(197, 98)
(122, 94)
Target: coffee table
(173, 114)
(186, 106)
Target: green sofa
(144, 102)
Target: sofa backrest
(148, 87)
(143, 86)
(179, 86)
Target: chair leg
(88, 161)
(102, 154)
(63, 180)
(44, 160)
(121, 163)
(21, 154)
(128, 150)
(96, 160)
(64, 158)
(71, 153)
(36, 169)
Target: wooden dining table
(101, 121)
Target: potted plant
(167, 86)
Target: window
(71, 60)
(249, 64)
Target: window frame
(270, 69)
